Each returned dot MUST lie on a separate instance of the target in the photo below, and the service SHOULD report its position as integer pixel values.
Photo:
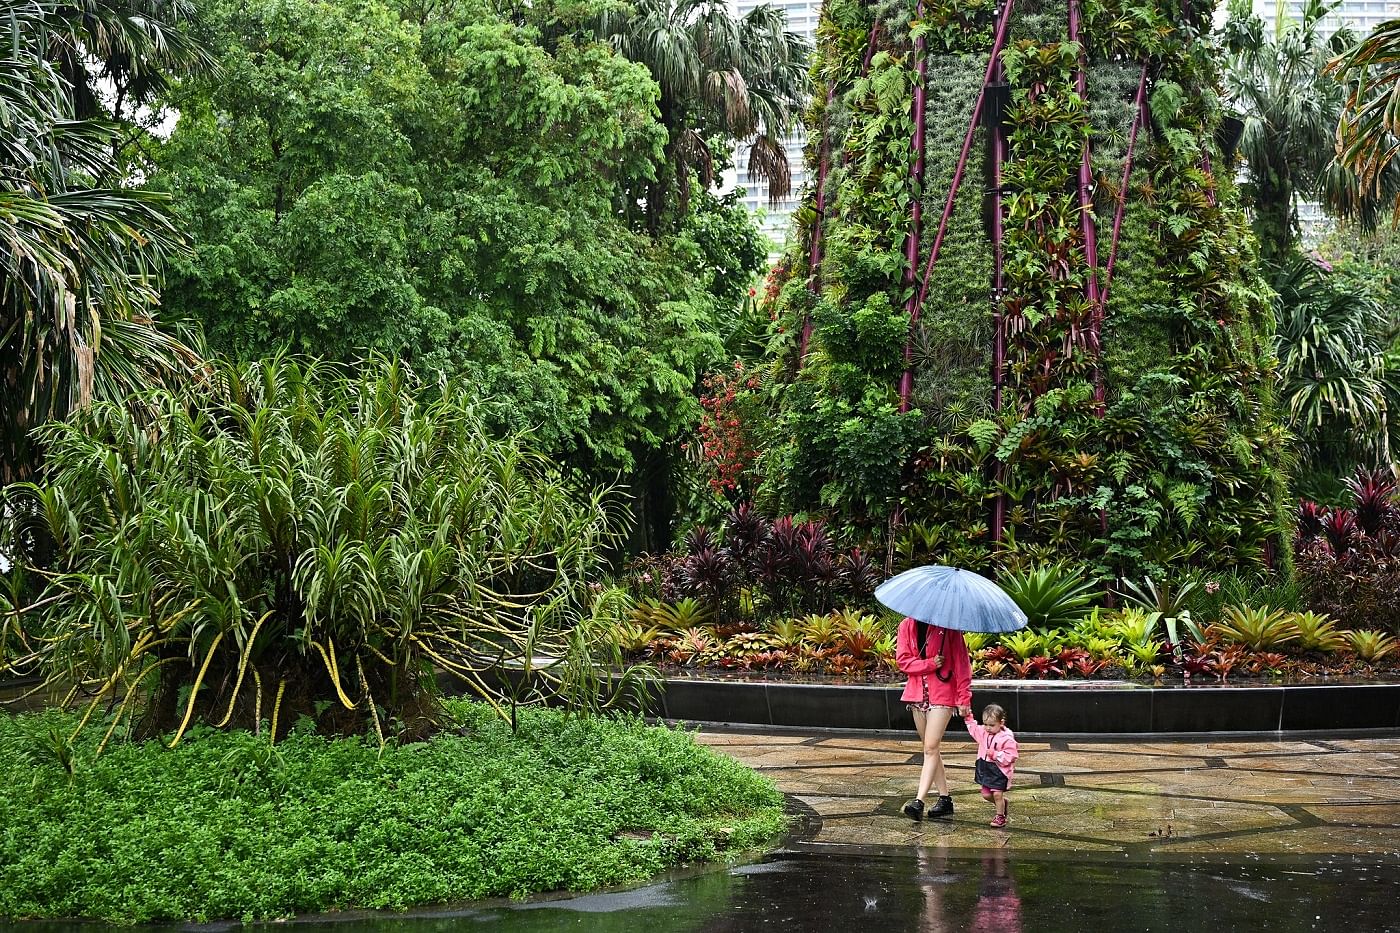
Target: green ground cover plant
(226, 825)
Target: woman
(939, 686)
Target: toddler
(996, 756)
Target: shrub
(1348, 558)
(284, 539)
(1135, 627)
(1023, 645)
(1316, 632)
(790, 567)
(1372, 646)
(1208, 601)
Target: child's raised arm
(975, 728)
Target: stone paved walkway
(1176, 798)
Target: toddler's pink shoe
(999, 821)
(986, 793)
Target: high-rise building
(1361, 15)
(802, 18)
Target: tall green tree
(721, 78)
(81, 251)
(445, 186)
(1276, 80)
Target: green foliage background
(1186, 463)
(227, 826)
(447, 184)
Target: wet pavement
(804, 892)
(1256, 800)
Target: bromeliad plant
(1052, 596)
(283, 540)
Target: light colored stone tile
(1113, 795)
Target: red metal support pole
(1101, 311)
(906, 381)
(1139, 111)
(1086, 179)
(998, 296)
(916, 207)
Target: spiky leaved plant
(282, 540)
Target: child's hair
(994, 711)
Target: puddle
(805, 893)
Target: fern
(984, 433)
(1186, 500)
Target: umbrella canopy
(952, 598)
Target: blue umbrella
(952, 598)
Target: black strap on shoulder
(943, 643)
(921, 630)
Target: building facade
(1362, 15)
(775, 219)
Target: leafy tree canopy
(448, 184)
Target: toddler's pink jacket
(956, 689)
(1001, 748)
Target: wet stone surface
(1071, 799)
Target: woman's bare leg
(931, 726)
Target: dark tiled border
(1128, 710)
(1361, 706)
(830, 707)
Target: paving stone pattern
(1114, 798)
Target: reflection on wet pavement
(806, 893)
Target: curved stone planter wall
(1045, 708)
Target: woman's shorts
(924, 706)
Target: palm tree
(80, 253)
(721, 79)
(1368, 137)
(1290, 107)
(1340, 381)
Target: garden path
(1175, 798)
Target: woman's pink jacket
(950, 685)
(1001, 748)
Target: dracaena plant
(283, 539)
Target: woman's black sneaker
(943, 808)
(914, 809)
